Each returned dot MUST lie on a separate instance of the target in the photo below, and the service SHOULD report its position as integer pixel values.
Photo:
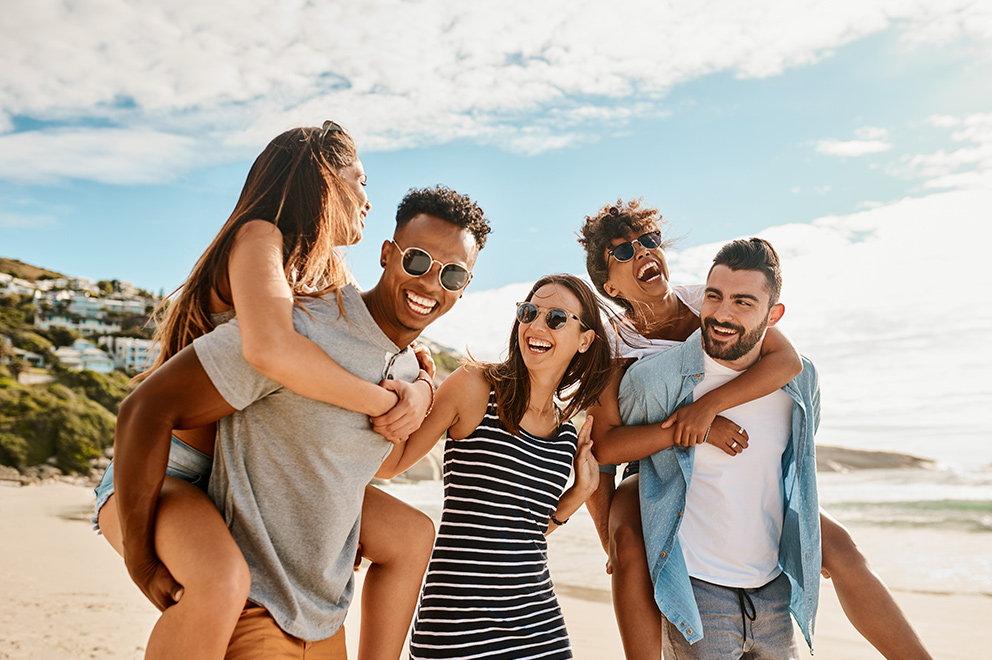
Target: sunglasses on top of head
(555, 318)
(626, 251)
(418, 262)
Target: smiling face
(642, 279)
(542, 347)
(734, 315)
(353, 176)
(408, 303)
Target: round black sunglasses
(626, 251)
(417, 262)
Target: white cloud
(943, 121)
(852, 147)
(871, 133)
(223, 77)
(967, 167)
(883, 301)
(108, 155)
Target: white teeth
(722, 331)
(420, 304)
(539, 345)
(649, 268)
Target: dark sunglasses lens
(526, 313)
(454, 277)
(556, 319)
(416, 262)
(651, 240)
(623, 252)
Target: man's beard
(736, 350)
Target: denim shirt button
(663, 555)
(678, 514)
(682, 624)
(689, 630)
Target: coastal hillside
(26, 271)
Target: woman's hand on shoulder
(424, 359)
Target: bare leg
(397, 539)
(193, 542)
(598, 506)
(866, 600)
(637, 613)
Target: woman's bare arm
(458, 409)
(264, 304)
(779, 364)
(615, 443)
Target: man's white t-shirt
(734, 505)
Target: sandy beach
(67, 594)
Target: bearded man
(733, 542)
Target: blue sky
(126, 130)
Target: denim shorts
(755, 623)
(184, 462)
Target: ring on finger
(734, 445)
(741, 430)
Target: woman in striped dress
(488, 592)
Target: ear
(610, 290)
(775, 314)
(588, 337)
(384, 253)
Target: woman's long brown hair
(589, 370)
(294, 184)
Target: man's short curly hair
(446, 204)
(610, 222)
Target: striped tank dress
(488, 593)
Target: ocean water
(923, 530)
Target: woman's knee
(626, 540)
(410, 539)
(418, 534)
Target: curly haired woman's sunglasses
(626, 251)
(555, 318)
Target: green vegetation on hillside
(58, 419)
(71, 419)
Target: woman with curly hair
(625, 258)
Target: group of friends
(240, 496)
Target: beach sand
(67, 595)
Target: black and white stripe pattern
(488, 592)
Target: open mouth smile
(419, 304)
(538, 345)
(648, 272)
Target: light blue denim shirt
(651, 390)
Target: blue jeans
(184, 462)
(750, 624)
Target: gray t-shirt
(289, 472)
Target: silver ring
(734, 446)
(741, 430)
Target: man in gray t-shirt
(289, 472)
